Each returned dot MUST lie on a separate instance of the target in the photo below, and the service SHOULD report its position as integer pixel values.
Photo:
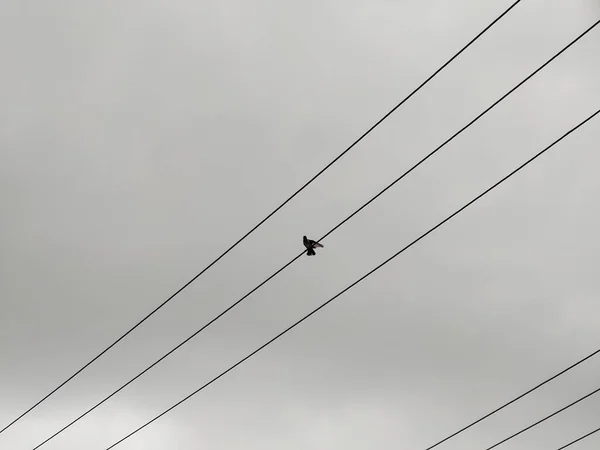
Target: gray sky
(139, 139)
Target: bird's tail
(310, 252)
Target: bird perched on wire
(310, 246)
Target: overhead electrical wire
(337, 158)
(579, 439)
(514, 400)
(327, 234)
(535, 424)
(360, 279)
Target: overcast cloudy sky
(140, 138)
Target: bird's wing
(316, 244)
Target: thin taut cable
(585, 436)
(514, 400)
(267, 217)
(555, 413)
(431, 230)
(331, 231)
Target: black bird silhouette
(310, 246)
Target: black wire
(535, 388)
(564, 408)
(270, 215)
(359, 280)
(327, 234)
(579, 439)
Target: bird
(310, 246)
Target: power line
(579, 439)
(327, 234)
(358, 281)
(514, 400)
(417, 89)
(555, 413)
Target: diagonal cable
(417, 89)
(359, 280)
(516, 399)
(585, 436)
(327, 234)
(555, 413)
